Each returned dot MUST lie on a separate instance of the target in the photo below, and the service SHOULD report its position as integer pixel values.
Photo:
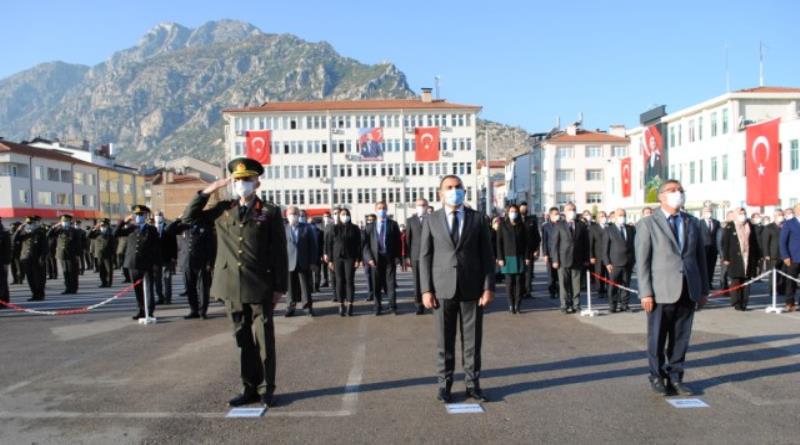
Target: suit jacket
(731, 251)
(466, 268)
(710, 235)
(393, 244)
(534, 238)
(619, 251)
(597, 240)
(790, 240)
(344, 242)
(319, 243)
(569, 249)
(547, 237)
(770, 245)
(251, 260)
(413, 237)
(143, 249)
(196, 245)
(168, 243)
(302, 249)
(5, 246)
(661, 266)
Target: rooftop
(354, 105)
(27, 150)
(587, 136)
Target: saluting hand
(216, 185)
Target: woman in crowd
(513, 254)
(740, 255)
(344, 255)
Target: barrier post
(147, 319)
(774, 309)
(588, 312)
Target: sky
(525, 62)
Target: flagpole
(488, 176)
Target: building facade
(316, 163)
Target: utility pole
(488, 177)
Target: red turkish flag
(259, 144)
(427, 140)
(762, 163)
(626, 177)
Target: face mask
(345, 219)
(381, 213)
(159, 219)
(420, 211)
(587, 218)
(303, 219)
(454, 197)
(756, 220)
(602, 221)
(778, 219)
(621, 220)
(104, 229)
(675, 200)
(292, 219)
(243, 189)
(140, 219)
(570, 215)
(741, 218)
(513, 216)
(33, 226)
(554, 218)
(495, 227)
(789, 216)
(65, 224)
(706, 216)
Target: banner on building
(762, 163)
(427, 144)
(370, 142)
(655, 161)
(626, 177)
(259, 144)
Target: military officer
(103, 248)
(5, 260)
(16, 266)
(69, 243)
(195, 257)
(122, 245)
(142, 252)
(33, 254)
(250, 272)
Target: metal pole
(488, 177)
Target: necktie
(673, 222)
(572, 227)
(622, 232)
(454, 228)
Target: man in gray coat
(457, 277)
(673, 281)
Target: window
(700, 172)
(594, 175)
(700, 128)
(44, 198)
(794, 156)
(714, 169)
(53, 174)
(565, 175)
(691, 172)
(725, 121)
(671, 136)
(724, 167)
(23, 196)
(62, 199)
(564, 152)
(564, 198)
(594, 198)
(680, 134)
(593, 151)
(79, 178)
(691, 130)
(38, 172)
(713, 124)
(66, 176)
(619, 151)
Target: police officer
(141, 254)
(195, 257)
(33, 254)
(69, 246)
(104, 249)
(250, 272)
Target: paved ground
(100, 378)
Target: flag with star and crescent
(626, 177)
(762, 163)
(259, 144)
(427, 144)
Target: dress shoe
(160, 301)
(681, 389)
(324, 284)
(245, 398)
(443, 395)
(204, 316)
(378, 310)
(512, 309)
(393, 310)
(477, 394)
(350, 310)
(370, 298)
(268, 400)
(576, 310)
(342, 310)
(183, 294)
(570, 310)
(625, 308)
(138, 316)
(289, 312)
(191, 316)
(613, 309)
(310, 312)
(658, 387)
(334, 300)
(420, 310)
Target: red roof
(497, 163)
(588, 136)
(355, 105)
(27, 150)
(770, 90)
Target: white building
(573, 166)
(705, 146)
(315, 162)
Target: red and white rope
(81, 310)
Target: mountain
(505, 141)
(163, 97)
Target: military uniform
(51, 261)
(250, 266)
(195, 258)
(122, 244)
(16, 266)
(5, 260)
(165, 268)
(141, 256)
(33, 256)
(104, 249)
(69, 245)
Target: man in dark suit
(548, 227)
(382, 251)
(457, 278)
(569, 248)
(301, 248)
(709, 229)
(771, 248)
(531, 223)
(317, 262)
(168, 258)
(413, 238)
(250, 272)
(671, 271)
(790, 254)
(16, 265)
(619, 257)
(195, 258)
(369, 271)
(326, 226)
(142, 253)
(597, 235)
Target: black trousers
(569, 289)
(515, 285)
(739, 297)
(195, 278)
(70, 269)
(316, 274)
(81, 263)
(325, 271)
(453, 315)
(345, 279)
(384, 277)
(417, 286)
(552, 278)
(669, 328)
(4, 294)
(528, 282)
(299, 287)
(16, 271)
(162, 278)
(37, 275)
(621, 275)
(138, 274)
(711, 264)
(254, 331)
(369, 272)
(790, 286)
(105, 268)
(52, 267)
(600, 269)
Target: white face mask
(66, 224)
(602, 221)
(345, 219)
(303, 219)
(159, 219)
(513, 216)
(778, 219)
(420, 211)
(243, 189)
(292, 219)
(741, 218)
(675, 200)
(621, 220)
(587, 218)
(706, 215)
(554, 218)
(570, 215)
(789, 216)
(756, 220)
